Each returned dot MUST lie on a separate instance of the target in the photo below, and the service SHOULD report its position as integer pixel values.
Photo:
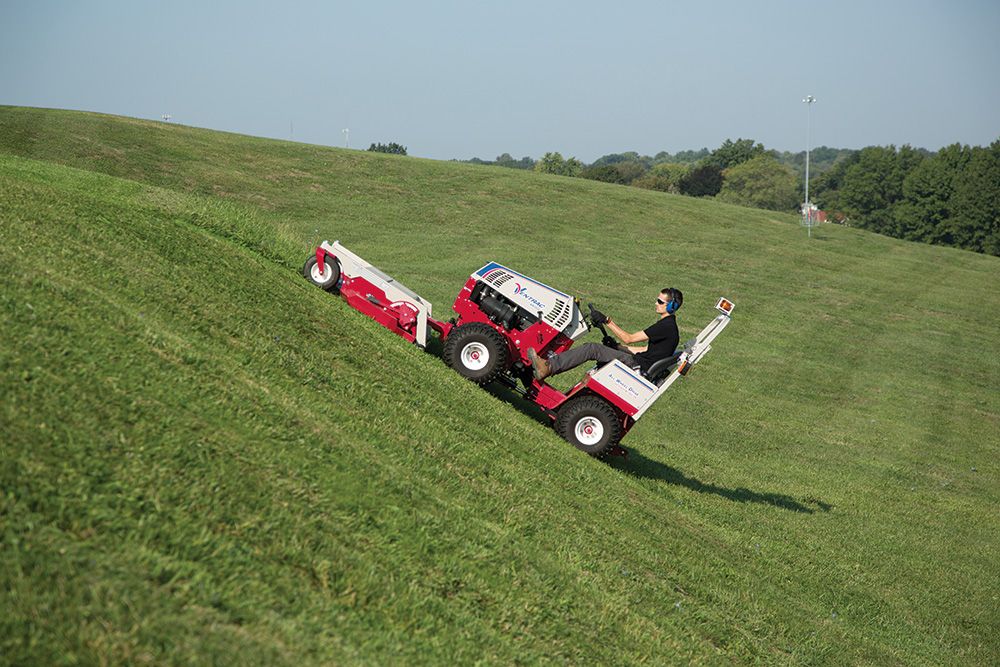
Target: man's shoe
(539, 365)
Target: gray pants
(575, 356)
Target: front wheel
(327, 278)
(477, 352)
(590, 424)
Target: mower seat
(659, 371)
(662, 368)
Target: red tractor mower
(499, 315)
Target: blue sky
(453, 79)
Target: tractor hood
(555, 308)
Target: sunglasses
(661, 301)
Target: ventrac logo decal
(522, 291)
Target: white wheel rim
(475, 356)
(589, 431)
(321, 277)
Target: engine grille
(497, 277)
(530, 298)
(559, 315)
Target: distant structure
(347, 137)
(812, 212)
(166, 117)
(807, 206)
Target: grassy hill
(206, 460)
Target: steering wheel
(607, 340)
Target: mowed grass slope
(204, 459)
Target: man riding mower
(515, 330)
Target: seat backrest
(659, 370)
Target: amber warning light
(726, 306)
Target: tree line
(392, 147)
(949, 197)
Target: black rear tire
(330, 276)
(477, 352)
(590, 424)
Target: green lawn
(204, 460)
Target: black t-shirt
(663, 338)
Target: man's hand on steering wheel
(597, 317)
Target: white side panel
(625, 383)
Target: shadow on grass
(436, 348)
(638, 465)
(520, 403)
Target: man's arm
(626, 337)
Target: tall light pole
(347, 137)
(809, 99)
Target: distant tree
(874, 184)
(704, 180)
(690, 157)
(573, 167)
(761, 182)
(975, 222)
(611, 158)
(825, 188)
(821, 160)
(553, 163)
(673, 170)
(628, 172)
(606, 173)
(928, 191)
(629, 156)
(504, 160)
(867, 191)
(732, 153)
(393, 147)
(665, 177)
(623, 173)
